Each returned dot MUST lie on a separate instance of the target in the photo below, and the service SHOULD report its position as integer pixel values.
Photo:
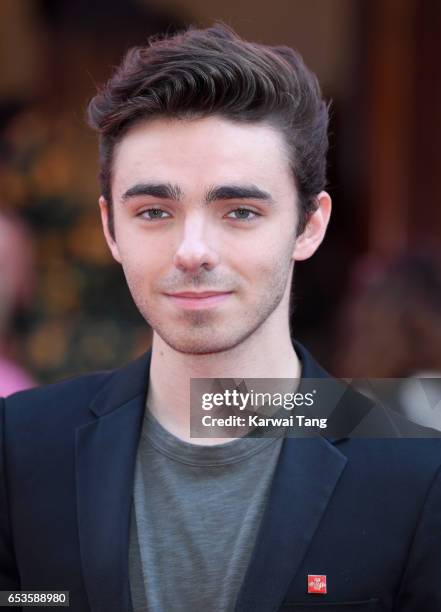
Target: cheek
(265, 259)
(141, 253)
(138, 265)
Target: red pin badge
(317, 584)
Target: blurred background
(367, 304)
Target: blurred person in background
(390, 332)
(16, 291)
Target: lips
(197, 295)
(198, 299)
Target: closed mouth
(198, 299)
(197, 295)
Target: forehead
(202, 151)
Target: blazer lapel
(105, 462)
(306, 475)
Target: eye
(153, 214)
(243, 214)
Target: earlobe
(111, 243)
(312, 236)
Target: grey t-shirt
(195, 517)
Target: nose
(194, 250)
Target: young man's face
(205, 215)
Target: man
(212, 173)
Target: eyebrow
(167, 191)
(157, 190)
(237, 192)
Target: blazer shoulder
(74, 393)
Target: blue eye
(152, 214)
(242, 214)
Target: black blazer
(364, 512)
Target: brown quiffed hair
(197, 73)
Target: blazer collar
(132, 380)
(344, 407)
(122, 385)
(310, 367)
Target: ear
(311, 237)
(104, 209)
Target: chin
(203, 347)
(200, 343)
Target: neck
(268, 353)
